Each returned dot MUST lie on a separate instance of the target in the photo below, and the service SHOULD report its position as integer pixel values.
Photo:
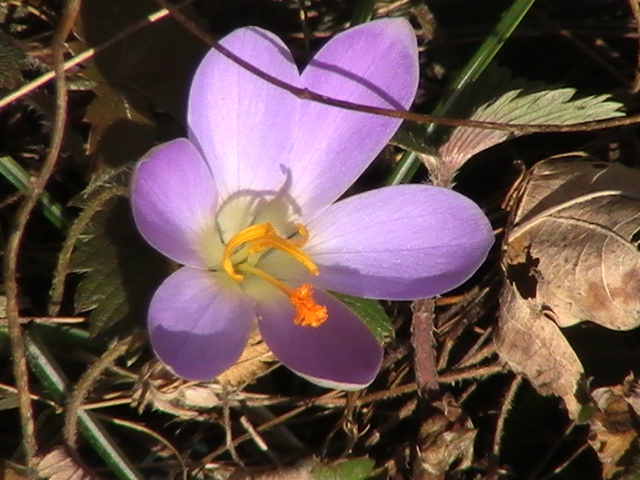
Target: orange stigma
(308, 312)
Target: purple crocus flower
(246, 205)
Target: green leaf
(411, 136)
(156, 62)
(519, 101)
(352, 469)
(497, 97)
(21, 179)
(120, 271)
(371, 313)
(122, 130)
(144, 73)
(474, 69)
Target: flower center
(261, 237)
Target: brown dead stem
(20, 370)
(83, 387)
(306, 94)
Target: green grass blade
(51, 375)
(20, 178)
(362, 12)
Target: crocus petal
(399, 243)
(199, 323)
(241, 122)
(173, 197)
(341, 353)
(375, 64)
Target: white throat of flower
(250, 226)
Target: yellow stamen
(304, 235)
(261, 237)
(308, 312)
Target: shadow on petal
(196, 356)
(199, 323)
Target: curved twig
(13, 245)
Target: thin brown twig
(84, 385)
(20, 370)
(421, 118)
(228, 428)
(46, 320)
(506, 404)
(424, 346)
(86, 55)
(309, 95)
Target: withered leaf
(445, 441)
(533, 345)
(161, 389)
(58, 465)
(255, 361)
(8, 473)
(581, 221)
(571, 255)
(614, 429)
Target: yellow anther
(304, 235)
(258, 238)
(249, 234)
(262, 237)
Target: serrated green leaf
(498, 98)
(121, 271)
(352, 469)
(145, 72)
(371, 313)
(460, 87)
(121, 130)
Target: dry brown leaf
(570, 256)
(446, 442)
(58, 465)
(632, 392)
(255, 361)
(613, 429)
(579, 223)
(162, 389)
(533, 345)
